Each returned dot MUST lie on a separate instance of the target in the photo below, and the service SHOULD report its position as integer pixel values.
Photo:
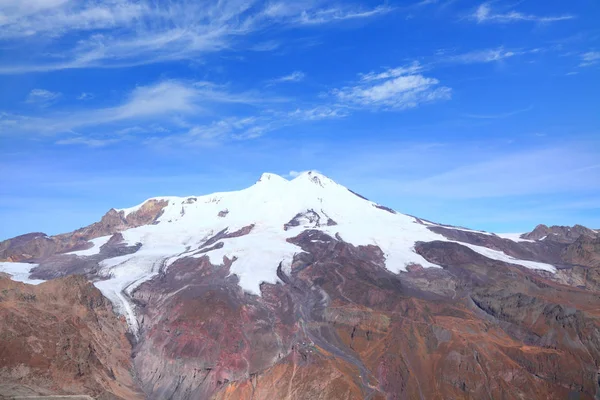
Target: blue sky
(481, 114)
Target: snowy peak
(268, 177)
(251, 229)
(315, 178)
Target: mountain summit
(307, 273)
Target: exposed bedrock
(564, 234)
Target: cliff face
(62, 337)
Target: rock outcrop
(564, 234)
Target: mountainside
(304, 289)
(62, 337)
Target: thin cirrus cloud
(58, 17)
(394, 88)
(200, 112)
(120, 33)
(187, 108)
(590, 58)
(162, 99)
(85, 96)
(239, 128)
(482, 56)
(500, 115)
(42, 97)
(324, 16)
(89, 142)
(485, 14)
(296, 76)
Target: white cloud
(319, 113)
(294, 174)
(87, 141)
(324, 16)
(85, 96)
(483, 56)
(500, 115)
(397, 88)
(58, 17)
(484, 13)
(42, 97)
(393, 72)
(295, 76)
(269, 45)
(170, 98)
(590, 58)
(118, 33)
(237, 128)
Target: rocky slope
(304, 289)
(60, 338)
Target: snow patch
(95, 249)
(500, 256)
(20, 272)
(515, 237)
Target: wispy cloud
(42, 97)
(85, 96)
(198, 113)
(59, 17)
(162, 99)
(294, 173)
(329, 15)
(319, 113)
(499, 115)
(485, 14)
(394, 88)
(425, 3)
(295, 76)
(119, 33)
(392, 72)
(268, 45)
(236, 128)
(590, 58)
(87, 141)
(482, 56)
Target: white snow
(127, 211)
(500, 256)
(458, 228)
(20, 272)
(272, 202)
(95, 249)
(515, 237)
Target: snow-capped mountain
(253, 226)
(241, 283)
